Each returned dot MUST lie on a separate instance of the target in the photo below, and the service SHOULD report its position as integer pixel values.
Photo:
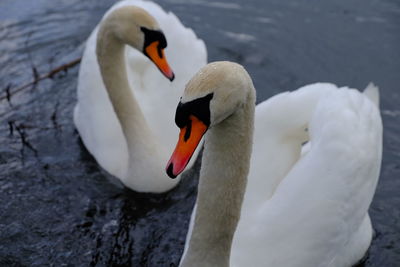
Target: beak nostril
(170, 171)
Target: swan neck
(223, 178)
(111, 58)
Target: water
(59, 207)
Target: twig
(48, 75)
(36, 76)
(11, 127)
(23, 137)
(54, 116)
(35, 73)
(8, 95)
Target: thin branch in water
(36, 76)
(48, 75)
(8, 95)
(11, 127)
(24, 139)
(54, 116)
(64, 67)
(35, 73)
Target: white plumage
(318, 214)
(157, 97)
(303, 205)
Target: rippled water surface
(57, 206)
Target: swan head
(212, 95)
(137, 28)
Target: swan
(124, 104)
(316, 213)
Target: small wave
(391, 113)
(241, 37)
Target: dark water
(57, 207)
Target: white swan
(133, 152)
(307, 209)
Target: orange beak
(157, 56)
(189, 139)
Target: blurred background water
(57, 207)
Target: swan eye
(182, 115)
(200, 108)
(151, 36)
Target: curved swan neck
(111, 58)
(222, 184)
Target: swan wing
(318, 215)
(280, 129)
